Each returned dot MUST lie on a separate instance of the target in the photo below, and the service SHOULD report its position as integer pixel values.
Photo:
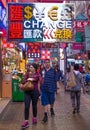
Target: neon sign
(3, 19)
(34, 50)
(40, 21)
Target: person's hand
(20, 85)
(30, 79)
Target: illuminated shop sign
(45, 54)
(34, 50)
(3, 19)
(80, 25)
(40, 21)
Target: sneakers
(45, 118)
(25, 124)
(34, 120)
(52, 112)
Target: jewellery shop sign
(46, 22)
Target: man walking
(48, 89)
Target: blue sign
(3, 18)
(80, 16)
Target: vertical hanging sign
(3, 19)
(22, 25)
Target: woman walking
(31, 95)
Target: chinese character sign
(22, 24)
(40, 21)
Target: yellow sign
(28, 10)
(63, 34)
(53, 13)
(22, 65)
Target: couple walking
(48, 85)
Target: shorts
(47, 98)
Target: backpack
(71, 82)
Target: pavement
(3, 103)
(12, 116)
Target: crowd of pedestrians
(46, 81)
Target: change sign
(40, 21)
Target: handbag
(27, 86)
(71, 82)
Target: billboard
(46, 22)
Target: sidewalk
(12, 116)
(3, 103)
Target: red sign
(49, 45)
(16, 13)
(8, 45)
(3, 2)
(13, 33)
(34, 50)
(81, 24)
(52, 1)
(15, 20)
(63, 45)
(88, 11)
(45, 54)
(77, 46)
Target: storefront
(41, 26)
(43, 29)
(2, 35)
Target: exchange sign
(33, 22)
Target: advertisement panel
(34, 50)
(77, 46)
(82, 8)
(46, 22)
(3, 19)
(87, 37)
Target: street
(12, 116)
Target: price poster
(46, 22)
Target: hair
(46, 60)
(35, 66)
(57, 67)
(76, 67)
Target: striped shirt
(50, 80)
